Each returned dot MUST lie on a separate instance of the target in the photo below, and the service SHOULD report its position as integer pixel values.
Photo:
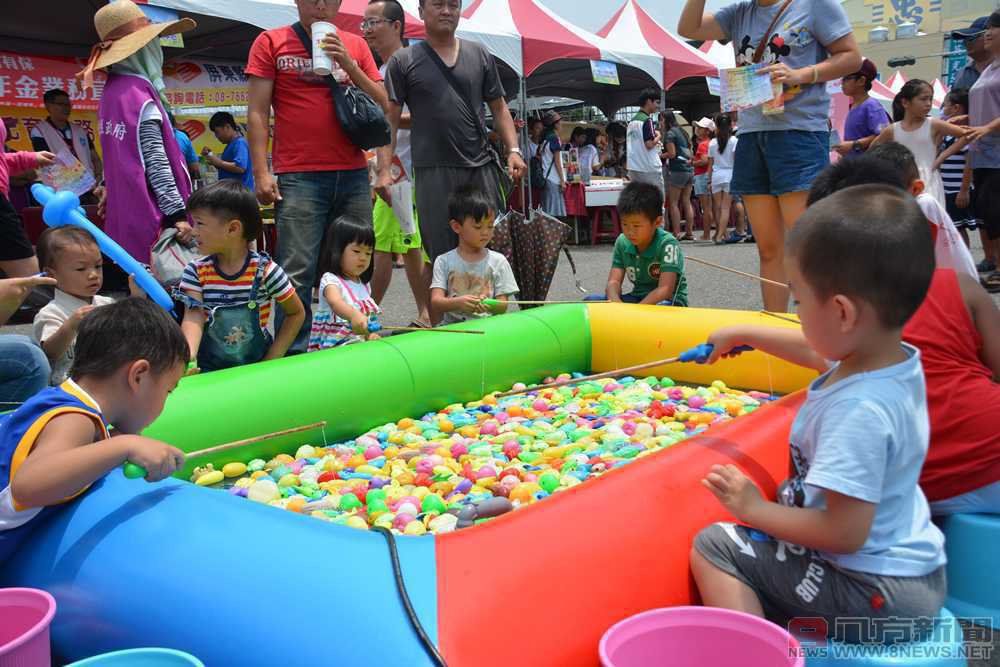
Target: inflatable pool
(234, 582)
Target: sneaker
(986, 266)
(734, 238)
(749, 239)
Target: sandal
(686, 237)
(417, 324)
(991, 282)
(986, 266)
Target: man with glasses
(449, 141)
(383, 28)
(867, 117)
(57, 134)
(321, 174)
(975, 47)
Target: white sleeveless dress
(921, 144)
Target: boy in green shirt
(648, 256)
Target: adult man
(383, 28)
(867, 117)
(643, 141)
(450, 146)
(975, 47)
(321, 174)
(56, 134)
(235, 160)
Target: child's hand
(78, 315)
(359, 324)
(158, 458)
(45, 158)
(733, 489)
(372, 336)
(724, 340)
(134, 289)
(470, 303)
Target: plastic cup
(322, 65)
(25, 616)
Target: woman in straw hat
(146, 178)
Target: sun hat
(705, 123)
(550, 117)
(124, 29)
(977, 28)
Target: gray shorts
(651, 177)
(679, 179)
(795, 583)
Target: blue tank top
(18, 433)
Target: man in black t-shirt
(450, 147)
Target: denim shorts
(779, 162)
(701, 184)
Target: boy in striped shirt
(951, 161)
(228, 292)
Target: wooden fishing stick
(133, 471)
(490, 303)
(458, 331)
(695, 353)
(739, 273)
(780, 317)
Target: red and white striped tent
(632, 25)
(721, 55)
(896, 81)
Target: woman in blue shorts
(808, 43)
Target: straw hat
(124, 29)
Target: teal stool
(972, 542)
(942, 649)
(141, 657)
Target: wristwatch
(856, 145)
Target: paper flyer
(744, 88)
(67, 173)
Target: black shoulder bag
(502, 176)
(361, 118)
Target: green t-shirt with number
(643, 269)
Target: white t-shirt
(722, 165)
(589, 156)
(403, 148)
(866, 436)
(639, 158)
(52, 316)
(950, 251)
(490, 277)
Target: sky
(598, 12)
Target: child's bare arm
(56, 344)
(664, 290)
(986, 318)
(957, 146)
(469, 303)
(65, 459)
(193, 325)
(614, 288)
(359, 323)
(789, 344)
(842, 527)
(295, 316)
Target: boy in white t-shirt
(950, 252)
(850, 535)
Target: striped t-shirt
(206, 283)
(952, 167)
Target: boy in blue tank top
(129, 356)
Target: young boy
(958, 192)
(463, 277)
(957, 330)
(850, 535)
(235, 160)
(228, 293)
(71, 256)
(646, 254)
(130, 356)
(950, 252)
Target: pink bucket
(25, 615)
(698, 637)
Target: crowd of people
(893, 315)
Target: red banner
(24, 79)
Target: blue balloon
(63, 208)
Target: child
(228, 292)
(235, 160)
(951, 161)
(949, 250)
(850, 535)
(914, 129)
(721, 158)
(470, 273)
(703, 131)
(345, 304)
(957, 330)
(71, 256)
(130, 356)
(646, 254)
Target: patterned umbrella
(532, 247)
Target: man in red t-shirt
(320, 174)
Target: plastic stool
(141, 657)
(942, 649)
(972, 542)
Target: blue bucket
(141, 657)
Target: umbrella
(532, 247)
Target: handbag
(506, 185)
(169, 257)
(361, 118)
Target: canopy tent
(896, 81)
(632, 26)
(720, 55)
(939, 93)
